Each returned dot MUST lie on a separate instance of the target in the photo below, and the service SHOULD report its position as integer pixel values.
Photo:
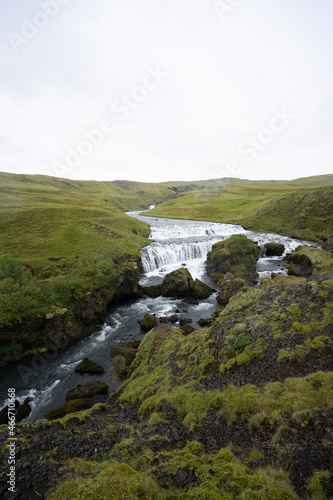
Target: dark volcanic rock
(87, 390)
(272, 249)
(148, 322)
(87, 366)
(23, 412)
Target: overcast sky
(157, 90)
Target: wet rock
(148, 322)
(23, 412)
(88, 366)
(274, 249)
(200, 290)
(152, 291)
(177, 283)
(4, 413)
(69, 407)
(238, 255)
(87, 390)
(185, 321)
(127, 350)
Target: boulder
(87, 366)
(206, 322)
(69, 407)
(87, 390)
(299, 265)
(152, 291)
(179, 283)
(238, 255)
(200, 290)
(187, 329)
(148, 322)
(229, 285)
(274, 249)
(127, 350)
(23, 412)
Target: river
(176, 243)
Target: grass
(301, 208)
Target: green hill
(302, 207)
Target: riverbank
(241, 409)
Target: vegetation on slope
(241, 410)
(299, 208)
(64, 248)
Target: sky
(158, 90)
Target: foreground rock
(87, 390)
(87, 366)
(179, 283)
(238, 255)
(299, 265)
(229, 285)
(274, 249)
(69, 407)
(148, 322)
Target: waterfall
(158, 255)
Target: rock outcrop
(274, 249)
(238, 255)
(179, 283)
(88, 366)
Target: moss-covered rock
(299, 265)
(152, 291)
(238, 255)
(127, 350)
(148, 322)
(87, 390)
(200, 290)
(179, 283)
(88, 366)
(274, 249)
(307, 260)
(69, 407)
(229, 285)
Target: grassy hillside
(272, 206)
(61, 240)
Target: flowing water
(46, 378)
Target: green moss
(294, 310)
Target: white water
(45, 378)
